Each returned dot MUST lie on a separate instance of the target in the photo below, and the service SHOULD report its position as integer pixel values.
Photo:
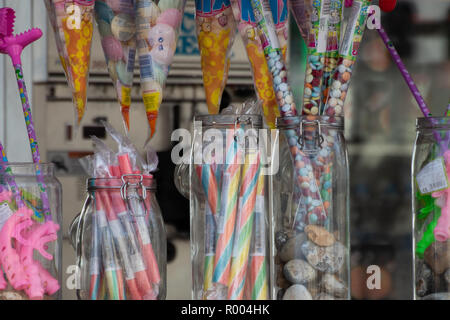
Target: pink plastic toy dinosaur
(39, 237)
(9, 257)
(442, 230)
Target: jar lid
(117, 182)
(230, 119)
(438, 123)
(334, 122)
(30, 168)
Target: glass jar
(229, 203)
(311, 210)
(431, 209)
(30, 235)
(120, 241)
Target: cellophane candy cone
(216, 30)
(262, 78)
(116, 24)
(72, 22)
(157, 32)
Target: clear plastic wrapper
(72, 23)
(116, 24)
(157, 26)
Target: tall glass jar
(120, 241)
(229, 201)
(311, 210)
(30, 235)
(431, 209)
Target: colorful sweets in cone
(243, 13)
(157, 30)
(332, 53)
(216, 30)
(116, 23)
(316, 44)
(72, 23)
(347, 58)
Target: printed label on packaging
(432, 177)
(138, 263)
(126, 96)
(151, 101)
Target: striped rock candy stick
(258, 266)
(244, 225)
(228, 209)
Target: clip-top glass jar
(121, 241)
(431, 209)
(311, 210)
(30, 235)
(229, 201)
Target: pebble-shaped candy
(344, 87)
(332, 102)
(273, 54)
(336, 93)
(289, 99)
(336, 84)
(313, 188)
(341, 68)
(282, 74)
(327, 185)
(283, 87)
(277, 80)
(123, 27)
(323, 153)
(347, 62)
(304, 185)
(286, 108)
(308, 91)
(338, 110)
(313, 58)
(314, 110)
(316, 203)
(309, 78)
(270, 63)
(303, 172)
(346, 76)
(279, 94)
(308, 70)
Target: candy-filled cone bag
(72, 22)
(262, 78)
(116, 24)
(157, 26)
(216, 30)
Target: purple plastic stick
(409, 81)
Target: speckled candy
(339, 85)
(313, 84)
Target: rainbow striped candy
(244, 225)
(228, 208)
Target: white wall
(13, 134)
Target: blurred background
(380, 129)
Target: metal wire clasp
(135, 195)
(319, 137)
